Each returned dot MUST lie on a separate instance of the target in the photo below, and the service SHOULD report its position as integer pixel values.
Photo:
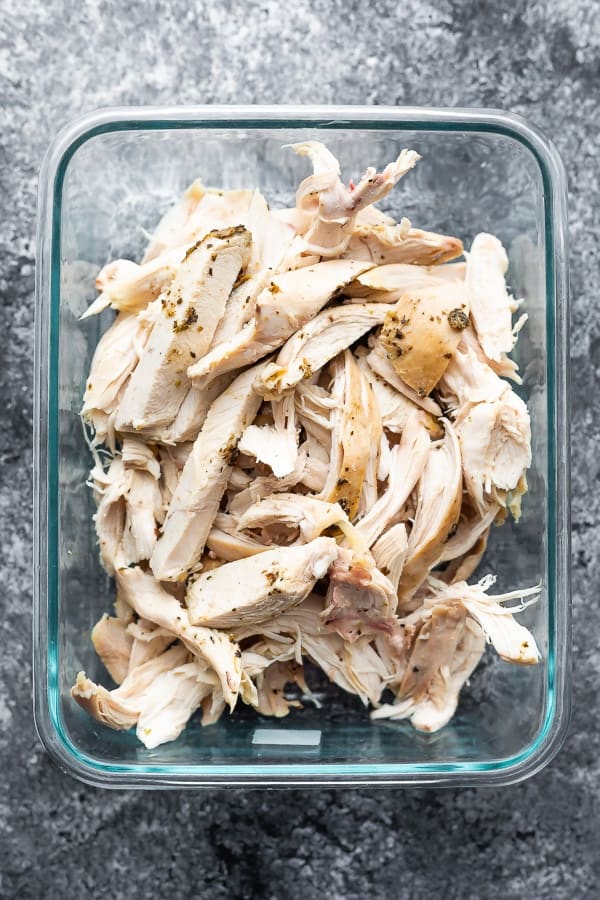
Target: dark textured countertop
(61, 839)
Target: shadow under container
(107, 178)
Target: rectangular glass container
(109, 176)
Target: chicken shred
(303, 429)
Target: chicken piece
(391, 244)
(196, 500)
(112, 642)
(175, 696)
(227, 543)
(110, 488)
(380, 364)
(471, 527)
(433, 649)
(394, 407)
(130, 287)
(360, 599)
(386, 284)
(258, 488)
(120, 708)
(494, 430)
(275, 445)
(290, 301)
(191, 415)
(438, 705)
(461, 568)
(270, 686)
(389, 552)
(190, 312)
(495, 441)
(115, 358)
(505, 367)
(197, 212)
(260, 587)
(172, 460)
(469, 380)
(307, 351)
(421, 333)
(311, 516)
(491, 304)
(143, 511)
(332, 208)
(270, 240)
(356, 668)
(315, 407)
(511, 641)
(148, 641)
(409, 460)
(357, 432)
(153, 602)
(129, 507)
(438, 506)
(168, 232)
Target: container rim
(160, 118)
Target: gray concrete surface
(60, 839)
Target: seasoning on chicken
(254, 590)
(307, 351)
(421, 333)
(189, 314)
(290, 301)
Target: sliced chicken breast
(151, 601)
(291, 300)
(202, 483)
(387, 244)
(190, 312)
(317, 343)
(256, 589)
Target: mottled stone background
(60, 839)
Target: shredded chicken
(302, 436)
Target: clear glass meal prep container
(111, 174)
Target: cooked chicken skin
(422, 331)
(308, 435)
